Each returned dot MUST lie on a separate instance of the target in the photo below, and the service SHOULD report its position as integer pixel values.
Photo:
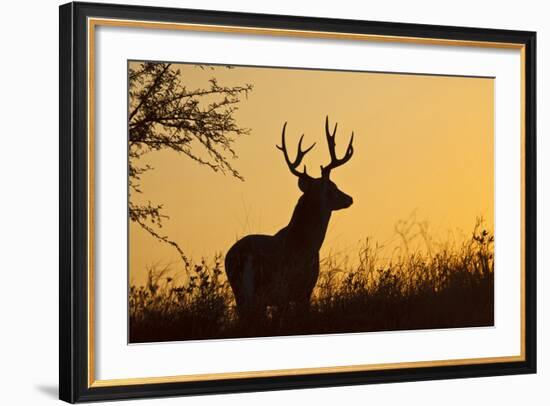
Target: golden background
(423, 147)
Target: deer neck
(308, 226)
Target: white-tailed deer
(277, 270)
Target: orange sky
(423, 145)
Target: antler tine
(331, 141)
(293, 166)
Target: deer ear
(304, 182)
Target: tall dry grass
(444, 285)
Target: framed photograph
(256, 202)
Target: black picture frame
(74, 385)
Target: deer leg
(251, 312)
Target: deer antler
(334, 161)
(293, 166)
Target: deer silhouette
(282, 269)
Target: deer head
(320, 191)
